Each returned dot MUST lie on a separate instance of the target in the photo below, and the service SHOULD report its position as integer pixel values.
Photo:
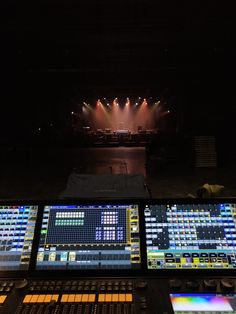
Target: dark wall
(63, 50)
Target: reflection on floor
(42, 174)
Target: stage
(119, 122)
(120, 137)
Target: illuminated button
(128, 297)
(78, 297)
(2, 298)
(114, 298)
(91, 298)
(47, 298)
(121, 297)
(34, 298)
(84, 298)
(101, 298)
(71, 298)
(55, 297)
(41, 298)
(27, 298)
(108, 298)
(64, 298)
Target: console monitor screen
(203, 303)
(89, 237)
(17, 225)
(191, 236)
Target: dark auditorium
(118, 157)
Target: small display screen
(89, 237)
(191, 236)
(203, 303)
(17, 226)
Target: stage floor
(43, 174)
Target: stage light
(127, 101)
(98, 102)
(39, 129)
(72, 112)
(115, 101)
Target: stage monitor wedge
(17, 229)
(89, 237)
(193, 236)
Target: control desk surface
(129, 256)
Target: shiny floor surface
(43, 174)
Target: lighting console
(118, 256)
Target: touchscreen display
(17, 226)
(203, 303)
(89, 237)
(191, 236)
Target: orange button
(114, 298)
(34, 298)
(122, 297)
(64, 298)
(2, 298)
(84, 298)
(55, 297)
(91, 298)
(41, 298)
(78, 297)
(108, 298)
(71, 298)
(101, 297)
(47, 298)
(27, 298)
(128, 297)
